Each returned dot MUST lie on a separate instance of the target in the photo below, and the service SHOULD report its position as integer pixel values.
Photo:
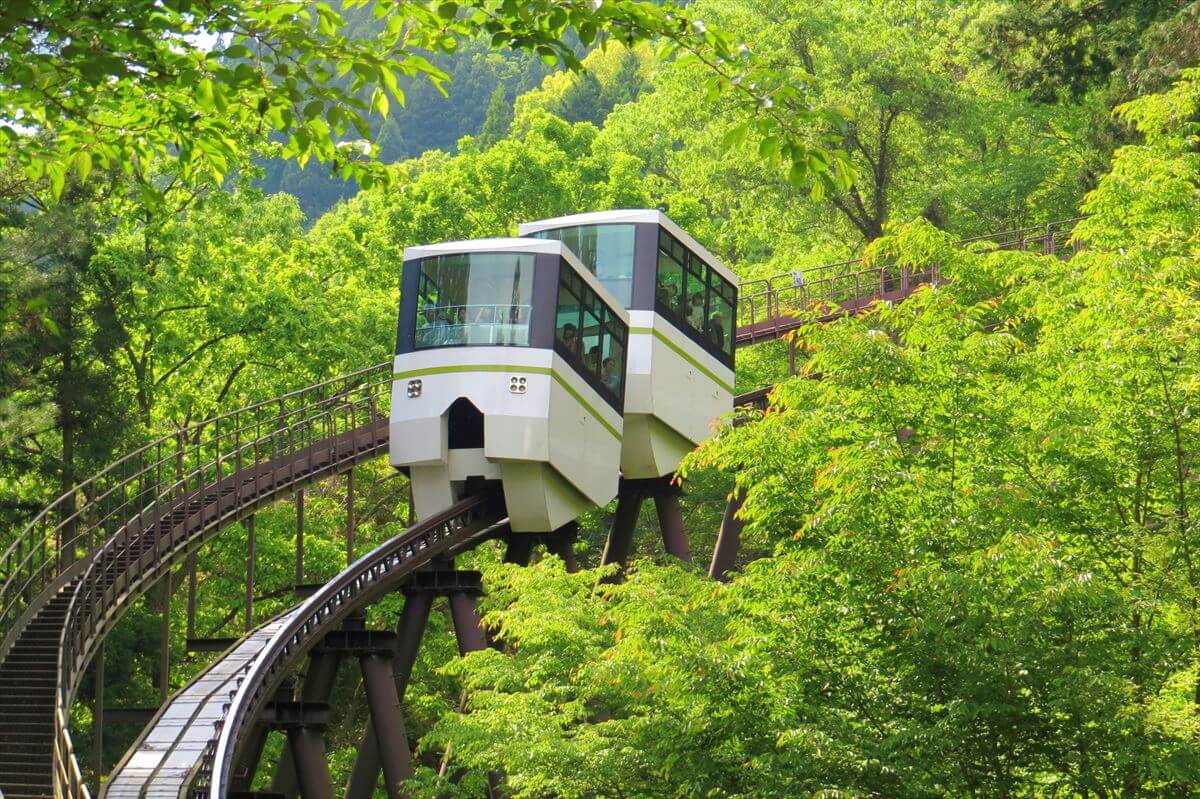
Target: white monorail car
(682, 305)
(510, 366)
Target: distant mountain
(427, 121)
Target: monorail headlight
(414, 388)
(517, 384)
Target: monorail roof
(533, 246)
(633, 216)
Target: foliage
(983, 518)
(980, 519)
(133, 83)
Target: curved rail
(58, 541)
(171, 746)
(364, 581)
(152, 508)
(111, 536)
(328, 437)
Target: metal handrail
(362, 582)
(74, 525)
(215, 476)
(850, 283)
(99, 520)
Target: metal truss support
(670, 519)
(729, 539)
(562, 543)
(620, 537)
(464, 611)
(306, 743)
(519, 548)
(387, 720)
(409, 632)
(316, 688)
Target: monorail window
(606, 250)
(695, 297)
(590, 336)
(474, 299)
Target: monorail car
(510, 365)
(682, 304)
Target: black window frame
(573, 284)
(712, 282)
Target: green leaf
(735, 135)
(83, 164)
(379, 102)
(204, 94)
(56, 171)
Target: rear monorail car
(510, 366)
(682, 304)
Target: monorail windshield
(474, 298)
(607, 250)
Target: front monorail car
(682, 305)
(510, 366)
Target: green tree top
(126, 83)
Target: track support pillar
(518, 549)
(317, 688)
(350, 516)
(300, 537)
(670, 519)
(562, 543)
(620, 537)
(729, 539)
(464, 611)
(409, 631)
(164, 652)
(98, 715)
(250, 557)
(307, 746)
(387, 721)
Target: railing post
(98, 716)
(249, 572)
(164, 682)
(299, 537)
(350, 516)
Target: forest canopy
(969, 566)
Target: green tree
(498, 119)
(982, 518)
(134, 82)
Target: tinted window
(474, 298)
(607, 250)
(695, 298)
(590, 336)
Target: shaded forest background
(980, 522)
